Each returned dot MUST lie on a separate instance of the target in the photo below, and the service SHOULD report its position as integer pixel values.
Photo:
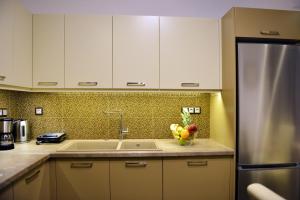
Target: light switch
(1, 113)
(38, 111)
(185, 109)
(4, 112)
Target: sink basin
(139, 146)
(90, 145)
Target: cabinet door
(136, 179)
(22, 56)
(48, 51)
(135, 52)
(34, 186)
(196, 179)
(263, 23)
(189, 53)
(6, 40)
(82, 179)
(88, 51)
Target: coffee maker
(6, 134)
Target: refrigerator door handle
(267, 166)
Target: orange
(185, 134)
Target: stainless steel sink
(138, 146)
(90, 145)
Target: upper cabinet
(88, 51)
(22, 56)
(16, 44)
(263, 23)
(48, 51)
(136, 52)
(189, 53)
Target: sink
(90, 145)
(139, 146)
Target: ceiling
(194, 8)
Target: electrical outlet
(185, 109)
(191, 110)
(197, 110)
(38, 111)
(4, 112)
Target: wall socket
(192, 110)
(3, 112)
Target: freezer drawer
(283, 181)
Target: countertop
(25, 157)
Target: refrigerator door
(268, 103)
(283, 181)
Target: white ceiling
(195, 8)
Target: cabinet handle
(87, 83)
(189, 84)
(47, 83)
(81, 165)
(263, 32)
(142, 84)
(200, 163)
(32, 177)
(2, 78)
(135, 164)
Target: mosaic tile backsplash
(82, 114)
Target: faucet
(122, 130)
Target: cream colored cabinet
(7, 193)
(135, 52)
(34, 186)
(88, 51)
(22, 56)
(264, 23)
(136, 179)
(48, 51)
(195, 179)
(189, 53)
(6, 40)
(82, 179)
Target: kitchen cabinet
(264, 23)
(196, 178)
(82, 179)
(189, 53)
(136, 52)
(136, 179)
(88, 51)
(22, 47)
(7, 193)
(33, 186)
(48, 51)
(6, 40)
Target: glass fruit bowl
(184, 135)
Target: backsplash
(81, 114)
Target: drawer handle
(190, 84)
(135, 164)
(87, 83)
(32, 177)
(47, 83)
(81, 165)
(141, 84)
(200, 163)
(2, 78)
(269, 32)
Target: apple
(192, 128)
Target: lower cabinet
(136, 179)
(33, 186)
(196, 179)
(82, 179)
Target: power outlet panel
(38, 111)
(3, 112)
(191, 110)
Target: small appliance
(6, 136)
(21, 130)
(51, 138)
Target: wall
(81, 114)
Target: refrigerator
(268, 118)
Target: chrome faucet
(122, 130)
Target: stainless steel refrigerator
(268, 118)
